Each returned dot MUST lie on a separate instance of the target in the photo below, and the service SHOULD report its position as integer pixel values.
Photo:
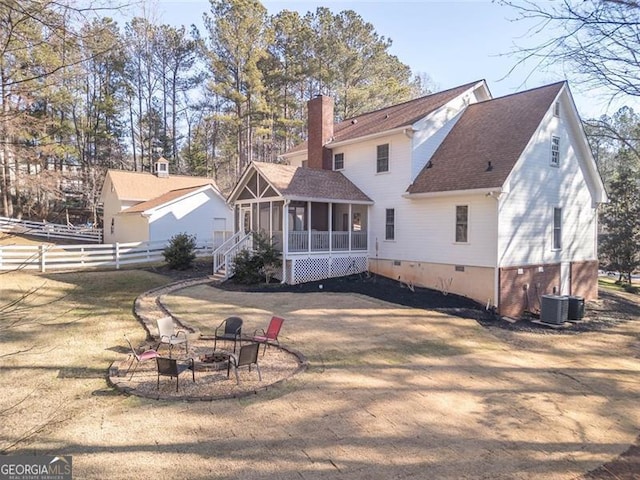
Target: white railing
(50, 230)
(320, 241)
(62, 257)
(298, 241)
(245, 243)
(220, 251)
(358, 240)
(340, 241)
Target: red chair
(138, 357)
(271, 335)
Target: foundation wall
(473, 282)
(584, 279)
(522, 287)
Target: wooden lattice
(318, 268)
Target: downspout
(496, 271)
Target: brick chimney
(320, 131)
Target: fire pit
(211, 362)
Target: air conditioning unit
(554, 309)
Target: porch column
(271, 220)
(285, 239)
(368, 228)
(330, 226)
(350, 224)
(309, 226)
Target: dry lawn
(391, 392)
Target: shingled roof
(495, 131)
(163, 199)
(310, 183)
(389, 118)
(143, 186)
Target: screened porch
(312, 227)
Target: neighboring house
(150, 207)
(495, 199)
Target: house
(154, 207)
(494, 199)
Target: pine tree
(620, 243)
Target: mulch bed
(608, 311)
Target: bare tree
(598, 40)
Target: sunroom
(318, 219)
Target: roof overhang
(297, 153)
(407, 130)
(296, 198)
(598, 190)
(491, 191)
(151, 210)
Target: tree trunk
(7, 203)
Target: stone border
(148, 307)
(114, 380)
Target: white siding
(425, 231)
(432, 130)
(425, 228)
(130, 228)
(429, 135)
(296, 159)
(535, 188)
(193, 215)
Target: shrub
(260, 264)
(180, 252)
(630, 288)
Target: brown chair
(270, 335)
(247, 356)
(229, 329)
(170, 367)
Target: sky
(454, 42)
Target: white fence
(61, 257)
(50, 230)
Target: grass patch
(610, 284)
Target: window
(382, 163)
(162, 167)
(390, 224)
(555, 151)
(557, 228)
(338, 161)
(462, 223)
(113, 225)
(556, 109)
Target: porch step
(218, 277)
